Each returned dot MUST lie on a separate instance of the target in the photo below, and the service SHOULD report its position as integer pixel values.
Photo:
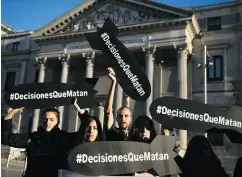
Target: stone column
(118, 98)
(182, 55)
(150, 64)
(65, 58)
(99, 113)
(21, 81)
(126, 101)
(41, 61)
(89, 57)
(158, 90)
(22, 71)
(118, 101)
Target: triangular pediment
(92, 13)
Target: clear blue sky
(34, 14)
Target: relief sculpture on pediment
(119, 15)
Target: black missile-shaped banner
(231, 147)
(230, 136)
(194, 116)
(48, 94)
(122, 157)
(129, 73)
(93, 102)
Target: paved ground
(14, 169)
(11, 172)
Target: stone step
(5, 151)
(12, 163)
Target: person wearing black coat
(47, 148)
(143, 130)
(200, 160)
(90, 131)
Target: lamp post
(205, 79)
(207, 62)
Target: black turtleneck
(116, 134)
(46, 151)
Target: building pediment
(7, 29)
(119, 15)
(92, 13)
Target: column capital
(149, 49)
(64, 58)
(89, 56)
(41, 60)
(182, 49)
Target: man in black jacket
(124, 115)
(47, 148)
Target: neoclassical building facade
(166, 41)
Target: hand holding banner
(194, 116)
(46, 95)
(112, 158)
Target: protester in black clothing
(47, 148)
(143, 130)
(238, 168)
(200, 160)
(90, 129)
(124, 119)
(124, 116)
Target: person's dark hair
(141, 123)
(54, 110)
(200, 160)
(200, 150)
(124, 107)
(83, 130)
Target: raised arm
(79, 110)
(12, 139)
(82, 113)
(109, 108)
